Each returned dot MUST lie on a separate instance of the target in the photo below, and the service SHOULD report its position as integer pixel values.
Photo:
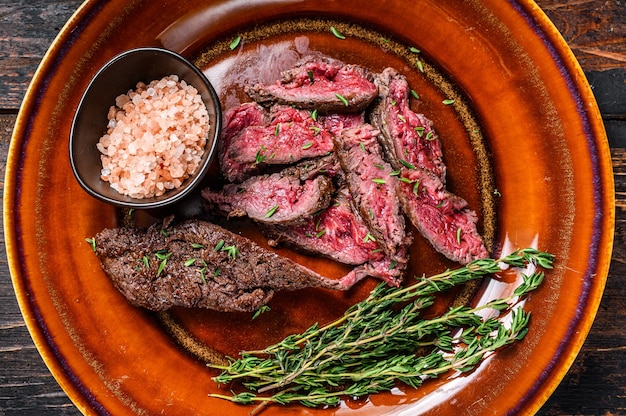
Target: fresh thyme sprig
(374, 344)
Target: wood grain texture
(596, 32)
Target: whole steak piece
(320, 83)
(408, 138)
(441, 217)
(372, 187)
(198, 264)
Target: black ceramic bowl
(118, 76)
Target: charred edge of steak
(272, 199)
(441, 217)
(336, 233)
(320, 83)
(406, 135)
(371, 185)
(198, 264)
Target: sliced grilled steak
(339, 234)
(406, 136)
(198, 264)
(337, 122)
(320, 83)
(371, 185)
(290, 136)
(278, 198)
(441, 217)
(236, 120)
(336, 233)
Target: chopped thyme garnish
(336, 33)
(369, 237)
(342, 99)
(231, 250)
(259, 158)
(261, 310)
(271, 211)
(92, 243)
(163, 256)
(234, 43)
(406, 164)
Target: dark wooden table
(596, 32)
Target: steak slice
(320, 83)
(340, 234)
(236, 120)
(406, 136)
(279, 198)
(371, 184)
(336, 232)
(291, 135)
(198, 264)
(441, 217)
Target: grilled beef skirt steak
(272, 199)
(320, 83)
(406, 136)
(441, 217)
(290, 136)
(198, 264)
(336, 232)
(340, 234)
(372, 187)
(235, 122)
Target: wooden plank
(27, 28)
(595, 30)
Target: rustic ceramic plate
(524, 144)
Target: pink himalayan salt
(155, 138)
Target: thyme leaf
(234, 43)
(336, 33)
(342, 99)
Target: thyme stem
(374, 344)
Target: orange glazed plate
(523, 142)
